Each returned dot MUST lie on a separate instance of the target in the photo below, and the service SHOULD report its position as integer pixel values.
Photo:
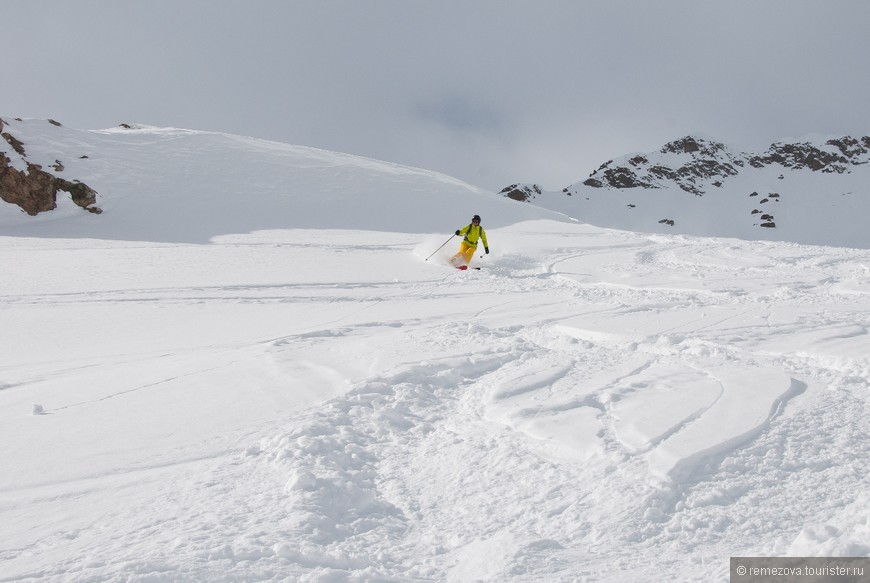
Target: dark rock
(14, 142)
(622, 178)
(81, 194)
(35, 190)
(800, 156)
(687, 145)
(521, 193)
(850, 147)
(663, 172)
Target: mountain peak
(810, 190)
(835, 155)
(695, 163)
(695, 145)
(708, 161)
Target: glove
(457, 232)
(486, 249)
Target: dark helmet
(475, 218)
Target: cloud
(460, 113)
(487, 91)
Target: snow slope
(320, 403)
(807, 191)
(177, 185)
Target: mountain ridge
(173, 185)
(823, 183)
(712, 160)
(178, 185)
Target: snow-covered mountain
(256, 364)
(813, 191)
(170, 184)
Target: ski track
(505, 456)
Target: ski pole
(439, 248)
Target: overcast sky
(491, 92)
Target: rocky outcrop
(837, 158)
(34, 189)
(692, 163)
(654, 182)
(696, 164)
(619, 177)
(521, 192)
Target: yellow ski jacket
(472, 234)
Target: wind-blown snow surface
(177, 185)
(316, 404)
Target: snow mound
(178, 185)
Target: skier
(472, 232)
